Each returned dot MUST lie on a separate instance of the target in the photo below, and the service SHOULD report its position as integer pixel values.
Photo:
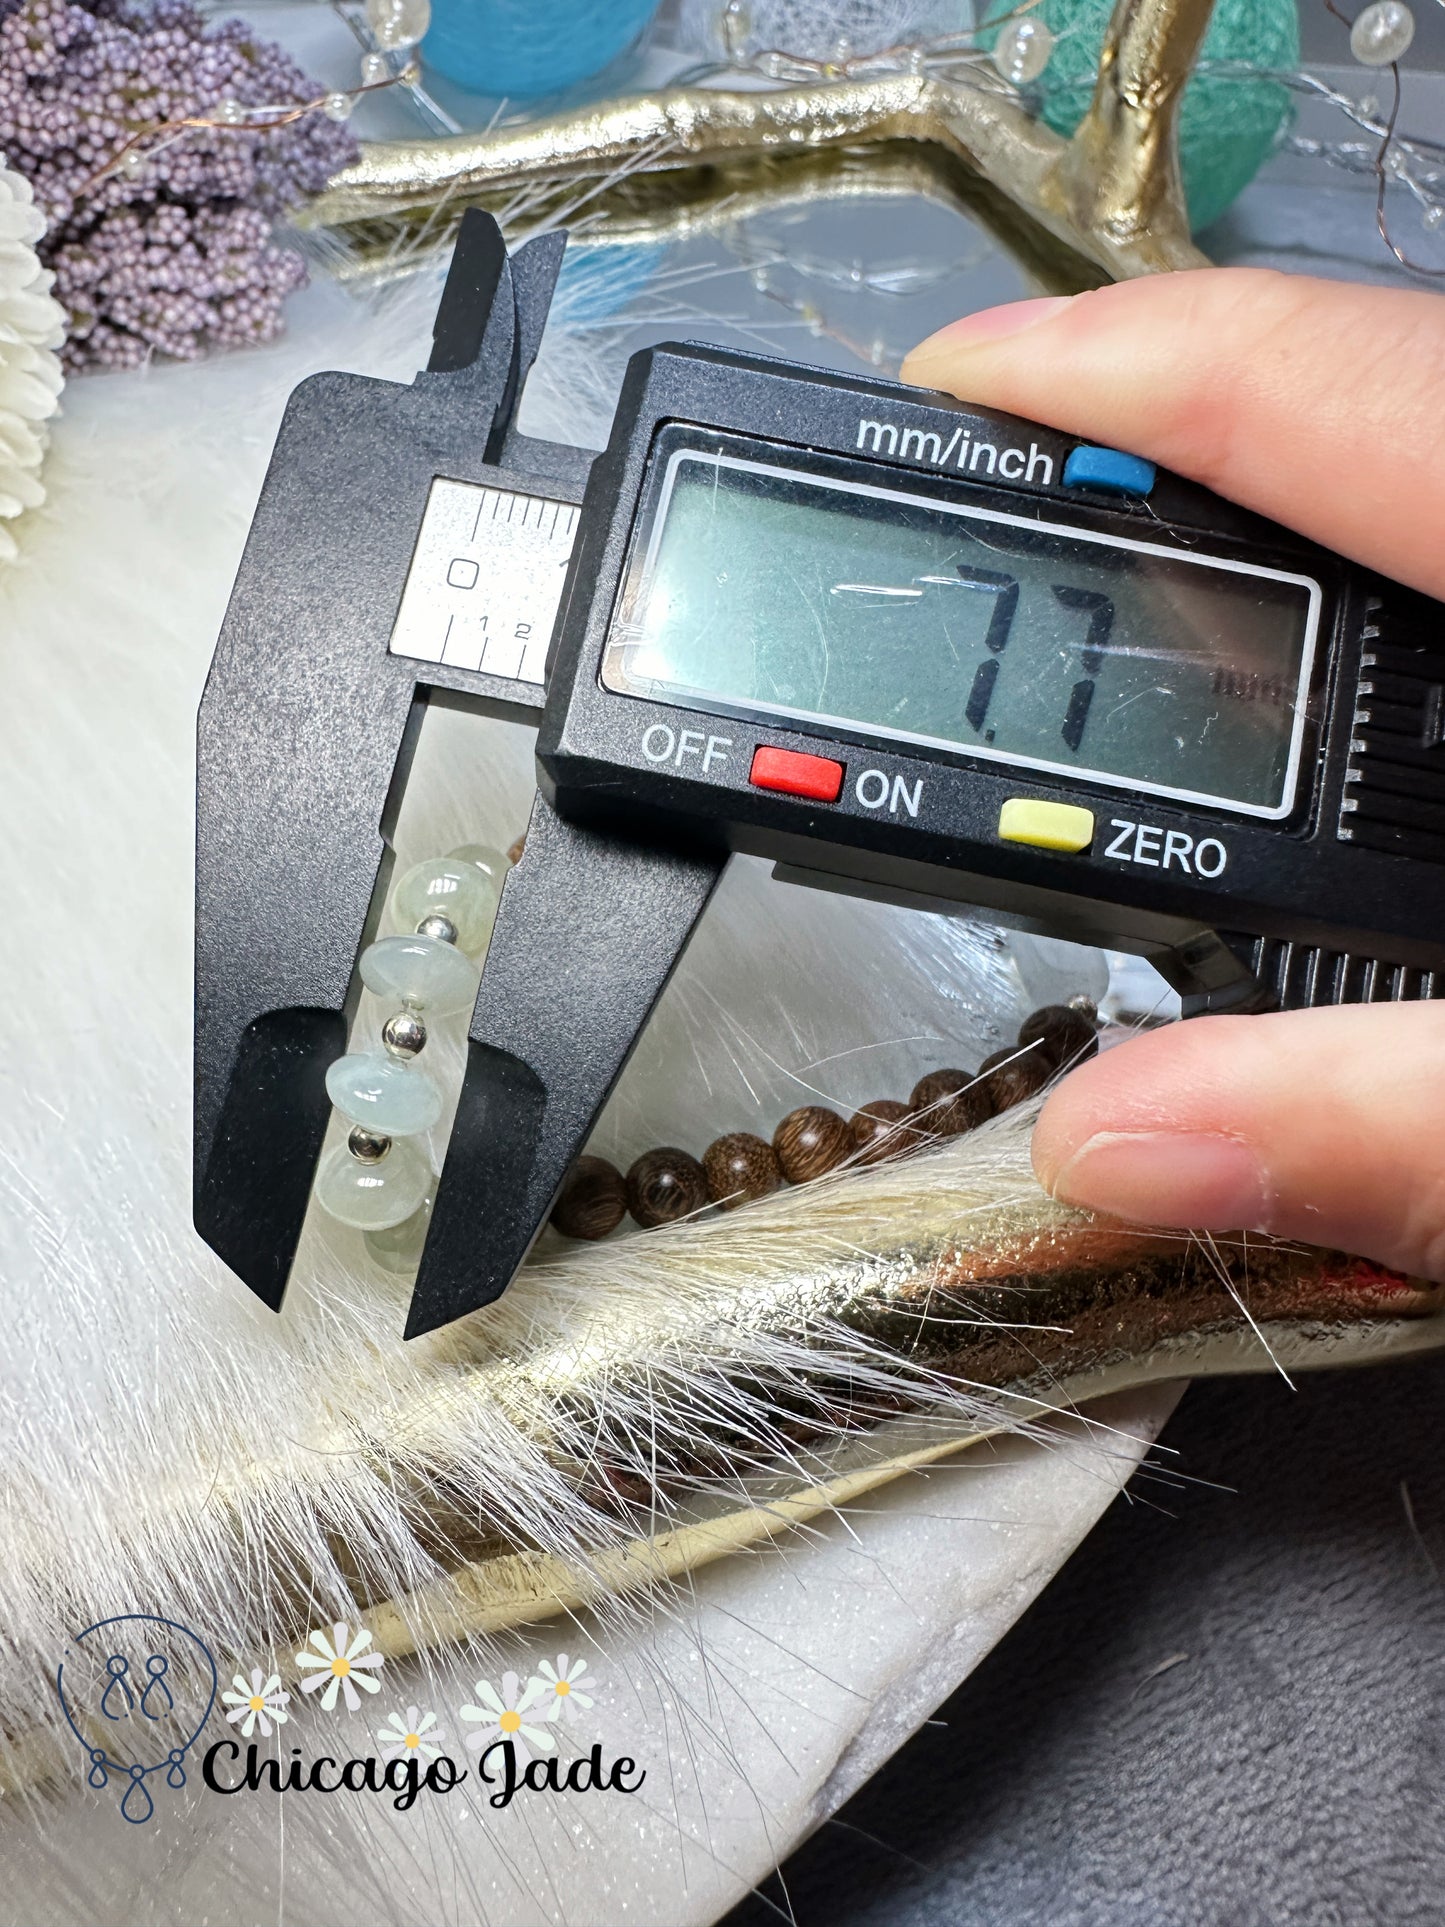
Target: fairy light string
(230, 117)
(1016, 61)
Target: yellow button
(1049, 826)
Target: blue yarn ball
(1227, 128)
(526, 49)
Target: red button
(796, 774)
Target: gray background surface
(1286, 1770)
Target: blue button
(1109, 469)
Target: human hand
(1321, 405)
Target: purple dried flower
(175, 257)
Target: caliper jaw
(587, 934)
(307, 726)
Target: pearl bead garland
(379, 1182)
(1382, 33)
(396, 24)
(1022, 49)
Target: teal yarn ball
(1227, 128)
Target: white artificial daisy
(258, 1702)
(412, 1736)
(500, 1714)
(336, 1666)
(569, 1683)
(32, 327)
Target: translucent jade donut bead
(394, 1099)
(421, 971)
(373, 1196)
(451, 887)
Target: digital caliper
(903, 646)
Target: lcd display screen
(761, 589)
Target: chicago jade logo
(138, 1690)
(504, 1767)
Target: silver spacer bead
(1086, 1007)
(367, 1147)
(438, 926)
(404, 1035)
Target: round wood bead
(810, 1141)
(740, 1167)
(880, 1131)
(1063, 1035)
(947, 1103)
(664, 1185)
(593, 1200)
(1010, 1076)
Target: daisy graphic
(501, 1714)
(569, 1683)
(258, 1703)
(338, 1668)
(414, 1736)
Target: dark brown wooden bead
(739, 1167)
(947, 1103)
(810, 1141)
(665, 1185)
(1063, 1036)
(593, 1200)
(880, 1131)
(1010, 1076)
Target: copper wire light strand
(1382, 172)
(274, 117)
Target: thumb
(1322, 1125)
(1316, 403)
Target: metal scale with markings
(484, 584)
(901, 646)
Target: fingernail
(1187, 1179)
(994, 324)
